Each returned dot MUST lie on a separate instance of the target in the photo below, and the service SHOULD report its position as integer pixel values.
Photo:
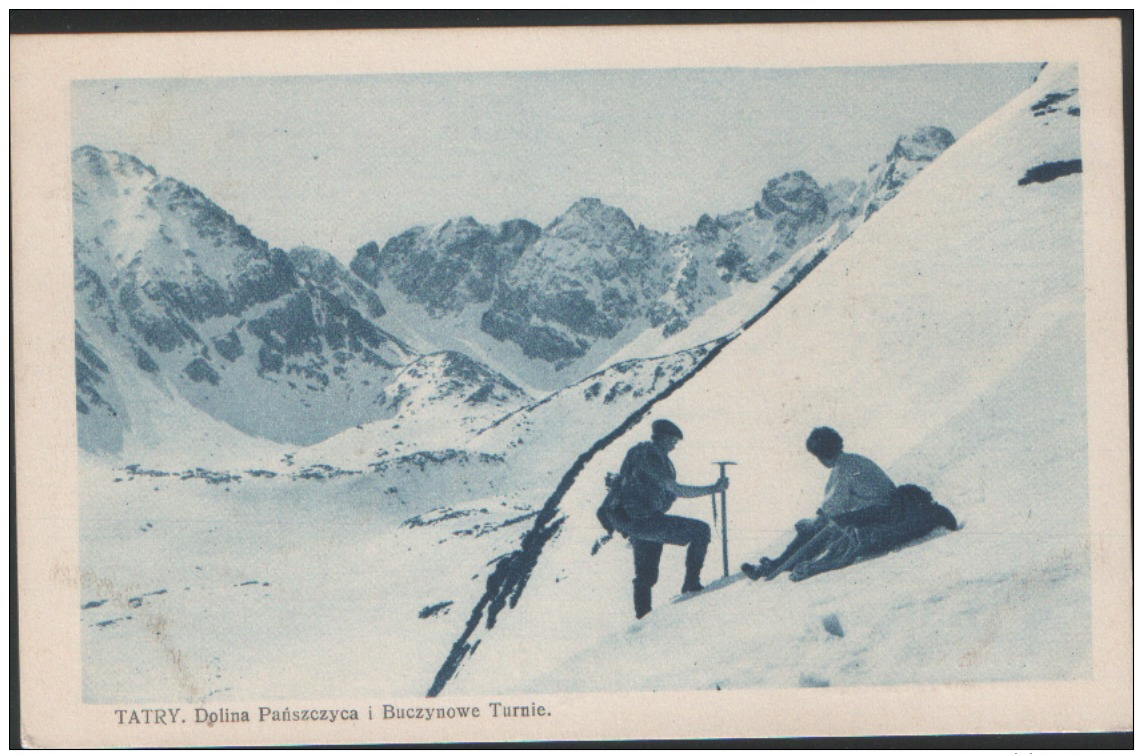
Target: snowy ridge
(547, 307)
(945, 340)
(440, 395)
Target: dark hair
(824, 442)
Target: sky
(337, 161)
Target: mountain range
(566, 297)
(295, 347)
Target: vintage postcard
(571, 383)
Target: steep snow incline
(944, 339)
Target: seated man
(855, 484)
(912, 514)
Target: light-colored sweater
(855, 483)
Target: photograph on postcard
(535, 382)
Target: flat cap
(665, 427)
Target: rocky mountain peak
(321, 269)
(311, 262)
(458, 232)
(101, 163)
(448, 267)
(589, 219)
(796, 194)
(910, 154)
(592, 271)
(923, 145)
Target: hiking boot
(642, 601)
(764, 568)
(690, 586)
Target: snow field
(277, 590)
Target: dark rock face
(923, 145)
(795, 198)
(200, 371)
(320, 269)
(99, 408)
(366, 263)
(1050, 171)
(1050, 103)
(583, 279)
(909, 156)
(90, 372)
(228, 347)
(460, 263)
(145, 362)
(194, 298)
(536, 341)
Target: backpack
(912, 498)
(609, 511)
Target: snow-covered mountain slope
(537, 441)
(175, 301)
(441, 449)
(238, 329)
(126, 414)
(945, 340)
(548, 307)
(381, 532)
(435, 403)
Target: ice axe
(725, 554)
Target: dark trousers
(807, 529)
(648, 535)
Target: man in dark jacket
(647, 489)
(855, 484)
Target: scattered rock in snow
(440, 608)
(1050, 171)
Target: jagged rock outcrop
(570, 295)
(450, 267)
(170, 288)
(909, 156)
(590, 273)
